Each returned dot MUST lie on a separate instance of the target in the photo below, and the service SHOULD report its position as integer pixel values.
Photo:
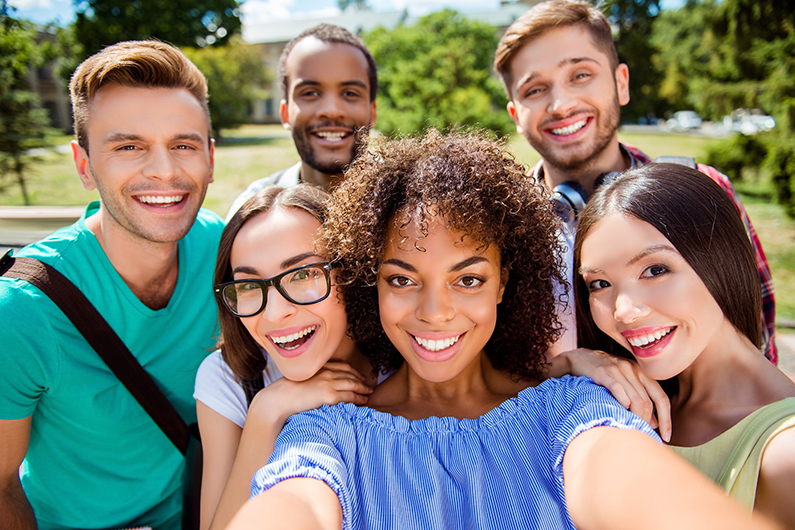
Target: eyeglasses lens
(304, 286)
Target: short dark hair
(146, 64)
(238, 348)
(481, 191)
(694, 213)
(547, 16)
(328, 33)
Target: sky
(62, 12)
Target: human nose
(331, 107)
(628, 308)
(160, 164)
(435, 305)
(562, 102)
(277, 307)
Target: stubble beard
(577, 163)
(307, 153)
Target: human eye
(399, 281)
(533, 91)
(653, 271)
(246, 287)
(470, 282)
(581, 76)
(597, 285)
(126, 147)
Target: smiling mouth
(160, 200)
(650, 339)
(571, 129)
(294, 340)
(332, 136)
(436, 345)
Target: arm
(295, 504)
(15, 510)
(269, 410)
(777, 479)
(622, 479)
(631, 387)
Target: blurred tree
(179, 22)
(357, 4)
(632, 22)
(24, 125)
(438, 73)
(235, 77)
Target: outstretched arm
(777, 479)
(621, 479)
(294, 504)
(15, 510)
(269, 410)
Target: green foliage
(200, 23)
(438, 73)
(24, 125)
(235, 75)
(633, 22)
(737, 153)
(781, 164)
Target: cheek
(602, 314)
(251, 323)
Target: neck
(611, 159)
(317, 178)
(148, 268)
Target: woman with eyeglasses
(284, 346)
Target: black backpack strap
(104, 340)
(681, 160)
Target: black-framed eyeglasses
(304, 285)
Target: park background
(731, 61)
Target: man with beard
(329, 82)
(560, 68)
(143, 256)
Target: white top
(217, 387)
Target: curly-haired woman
(448, 261)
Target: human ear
(622, 84)
(80, 158)
(284, 114)
(503, 282)
(515, 117)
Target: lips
(160, 200)
(293, 341)
(649, 342)
(436, 348)
(567, 128)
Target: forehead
(433, 236)
(617, 236)
(272, 236)
(146, 111)
(552, 48)
(312, 59)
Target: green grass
(256, 151)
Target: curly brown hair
(481, 191)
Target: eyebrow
(309, 82)
(639, 256)
(563, 62)
(129, 137)
(286, 264)
(455, 268)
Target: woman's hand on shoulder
(636, 391)
(336, 382)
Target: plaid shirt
(768, 298)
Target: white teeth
(332, 136)
(436, 345)
(293, 336)
(160, 199)
(643, 340)
(571, 129)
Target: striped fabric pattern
(502, 470)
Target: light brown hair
(148, 64)
(547, 16)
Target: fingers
(662, 405)
(341, 366)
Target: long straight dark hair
(698, 218)
(240, 351)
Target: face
(328, 105)
(566, 98)
(646, 297)
(299, 338)
(150, 158)
(438, 306)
